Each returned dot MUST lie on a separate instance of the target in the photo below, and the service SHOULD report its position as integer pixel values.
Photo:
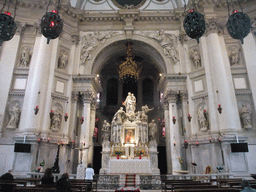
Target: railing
(108, 181)
(198, 177)
(56, 175)
(151, 182)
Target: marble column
(9, 53)
(38, 79)
(249, 48)
(223, 84)
(174, 132)
(165, 106)
(91, 150)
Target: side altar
(129, 142)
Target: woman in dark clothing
(48, 177)
(63, 185)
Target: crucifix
(81, 149)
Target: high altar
(129, 142)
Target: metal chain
(240, 5)
(185, 6)
(15, 8)
(3, 6)
(48, 5)
(58, 6)
(228, 8)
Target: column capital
(214, 26)
(20, 27)
(75, 39)
(171, 96)
(184, 94)
(165, 104)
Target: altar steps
(130, 180)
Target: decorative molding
(17, 93)
(58, 96)
(199, 97)
(243, 93)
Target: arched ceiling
(111, 57)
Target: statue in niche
(14, 117)
(152, 130)
(119, 116)
(201, 119)
(56, 120)
(234, 56)
(106, 126)
(167, 41)
(246, 116)
(63, 60)
(196, 59)
(25, 57)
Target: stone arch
(152, 51)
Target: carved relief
(234, 55)
(25, 57)
(14, 113)
(92, 40)
(169, 42)
(196, 58)
(245, 114)
(63, 59)
(213, 26)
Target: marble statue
(152, 130)
(14, 117)
(25, 57)
(56, 120)
(246, 116)
(119, 116)
(63, 60)
(145, 110)
(234, 56)
(201, 118)
(106, 126)
(130, 103)
(196, 59)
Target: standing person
(89, 172)
(47, 177)
(7, 177)
(63, 185)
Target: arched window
(148, 92)
(112, 91)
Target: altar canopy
(129, 142)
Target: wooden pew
(170, 183)
(208, 190)
(84, 184)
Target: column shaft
(249, 48)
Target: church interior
(143, 87)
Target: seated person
(5, 178)
(89, 173)
(246, 187)
(63, 185)
(47, 178)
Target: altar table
(127, 189)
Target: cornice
(199, 97)
(58, 96)
(17, 93)
(238, 93)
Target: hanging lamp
(194, 23)
(238, 24)
(7, 24)
(51, 23)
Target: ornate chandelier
(7, 24)
(51, 24)
(238, 24)
(129, 69)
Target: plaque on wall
(240, 83)
(199, 85)
(20, 83)
(60, 87)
